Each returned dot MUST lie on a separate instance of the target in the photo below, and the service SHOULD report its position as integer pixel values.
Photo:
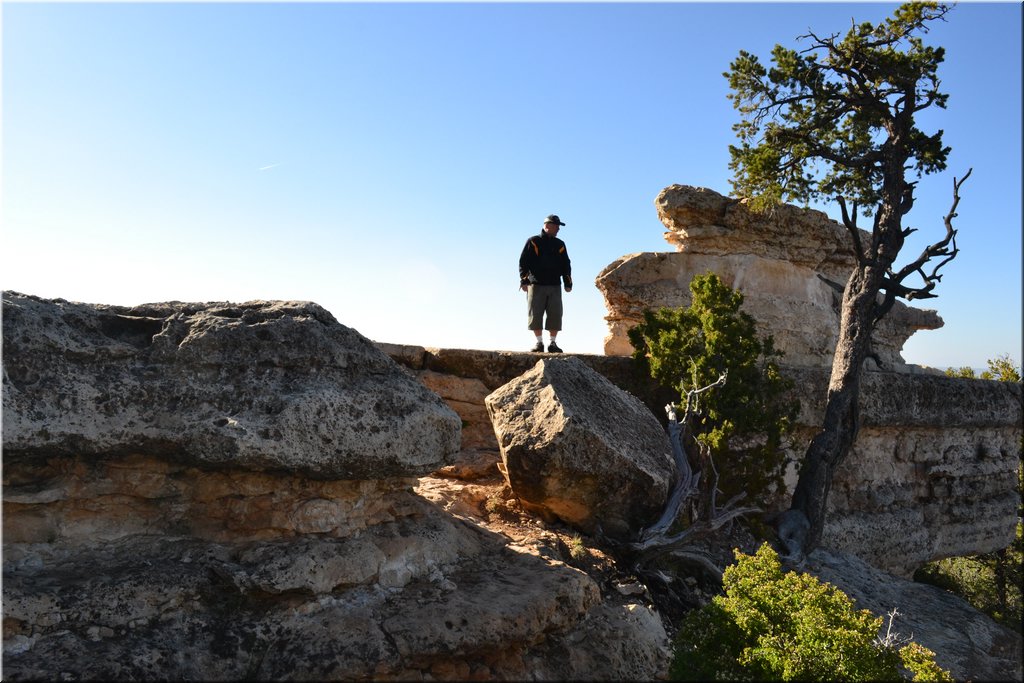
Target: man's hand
(568, 288)
(525, 288)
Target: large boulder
(215, 385)
(791, 267)
(576, 447)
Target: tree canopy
(827, 121)
(836, 121)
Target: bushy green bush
(745, 421)
(779, 626)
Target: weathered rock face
(77, 500)
(419, 596)
(967, 643)
(703, 221)
(225, 492)
(214, 385)
(931, 474)
(790, 267)
(577, 447)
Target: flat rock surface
(261, 385)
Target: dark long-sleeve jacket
(545, 261)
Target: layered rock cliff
(236, 491)
(931, 474)
(229, 492)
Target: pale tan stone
(790, 266)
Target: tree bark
(831, 444)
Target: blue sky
(388, 161)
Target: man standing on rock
(543, 267)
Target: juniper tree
(835, 121)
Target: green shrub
(745, 421)
(576, 548)
(992, 583)
(1001, 368)
(775, 626)
(920, 661)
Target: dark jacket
(544, 261)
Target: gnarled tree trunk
(861, 310)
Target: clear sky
(388, 161)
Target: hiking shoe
(553, 348)
(538, 348)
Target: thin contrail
(264, 168)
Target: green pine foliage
(745, 421)
(775, 626)
(817, 123)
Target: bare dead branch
(945, 250)
(692, 394)
(655, 540)
(684, 486)
(851, 227)
(661, 545)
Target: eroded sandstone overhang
(791, 267)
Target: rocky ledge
(233, 492)
(255, 491)
(931, 474)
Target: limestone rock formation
(967, 643)
(226, 492)
(478, 452)
(578, 448)
(214, 385)
(419, 596)
(790, 267)
(705, 222)
(931, 474)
